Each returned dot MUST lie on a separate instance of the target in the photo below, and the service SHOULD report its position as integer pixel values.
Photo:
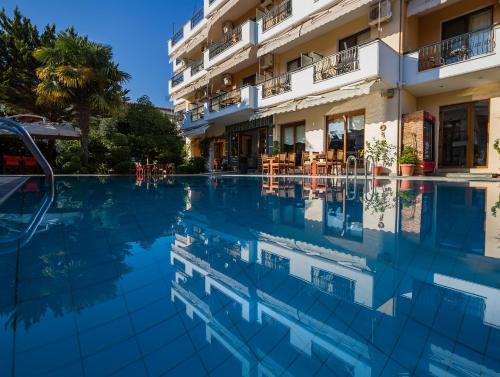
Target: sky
(137, 30)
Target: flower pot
(406, 185)
(407, 169)
(377, 170)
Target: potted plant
(408, 159)
(383, 154)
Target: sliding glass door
(347, 132)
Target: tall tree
(18, 39)
(80, 75)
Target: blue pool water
(244, 276)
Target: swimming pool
(230, 276)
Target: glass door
(347, 133)
(464, 135)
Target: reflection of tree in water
(91, 211)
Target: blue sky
(137, 30)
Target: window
(354, 40)
(250, 80)
(294, 65)
(294, 138)
(464, 135)
(347, 132)
(471, 22)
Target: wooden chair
(340, 162)
(291, 159)
(306, 163)
(266, 164)
(330, 161)
(282, 163)
(321, 164)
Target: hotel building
(256, 76)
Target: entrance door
(294, 139)
(464, 135)
(347, 132)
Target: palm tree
(80, 75)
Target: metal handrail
(372, 159)
(27, 234)
(347, 164)
(19, 130)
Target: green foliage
(276, 147)
(194, 165)
(383, 153)
(79, 74)
(408, 198)
(151, 134)
(497, 145)
(495, 208)
(409, 155)
(18, 80)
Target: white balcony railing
(460, 55)
(286, 14)
(193, 72)
(196, 23)
(368, 61)
(211, 6)
(240, 37)
(240, 100)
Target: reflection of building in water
(323, 273)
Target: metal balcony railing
(177, 36)
(197, 17)
(229, 39)
(197, 113)
(277, 85)
(177, 79)
(457, 49)
(277, 15)
(225, 100)
(337, 64)
(196, 67)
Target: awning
(192, 42)
(344, 93)
(196, 131)
(219, 13)
(50, 130)
(236, 59)
(195, 85)
(316, 20)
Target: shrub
(409, 155)
(198, 164)
(72, 166)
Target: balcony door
(463, 141)
(346, 132)
(466, 36)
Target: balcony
(194, 118)
(453, 63)
(232, 106)
(195, 71)
(211, 6)
(237, 39)
(277, 15)
(187, 31)
(362, 63)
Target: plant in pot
(243, 164)
(408, 159)
(383, 154)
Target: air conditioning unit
(380, 12)
(267, 61)
(227, 27)
(227, 79)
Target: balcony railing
(342, 62)
(456, 49)
(197, 66)
(197, 17)
(229, 39)
(277, 85)
(224, 100)
(177, 79)
(177, 36)
(197, 113)
(277, 15)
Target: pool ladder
(351, 195)
(17, 129)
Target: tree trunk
(84, 125)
